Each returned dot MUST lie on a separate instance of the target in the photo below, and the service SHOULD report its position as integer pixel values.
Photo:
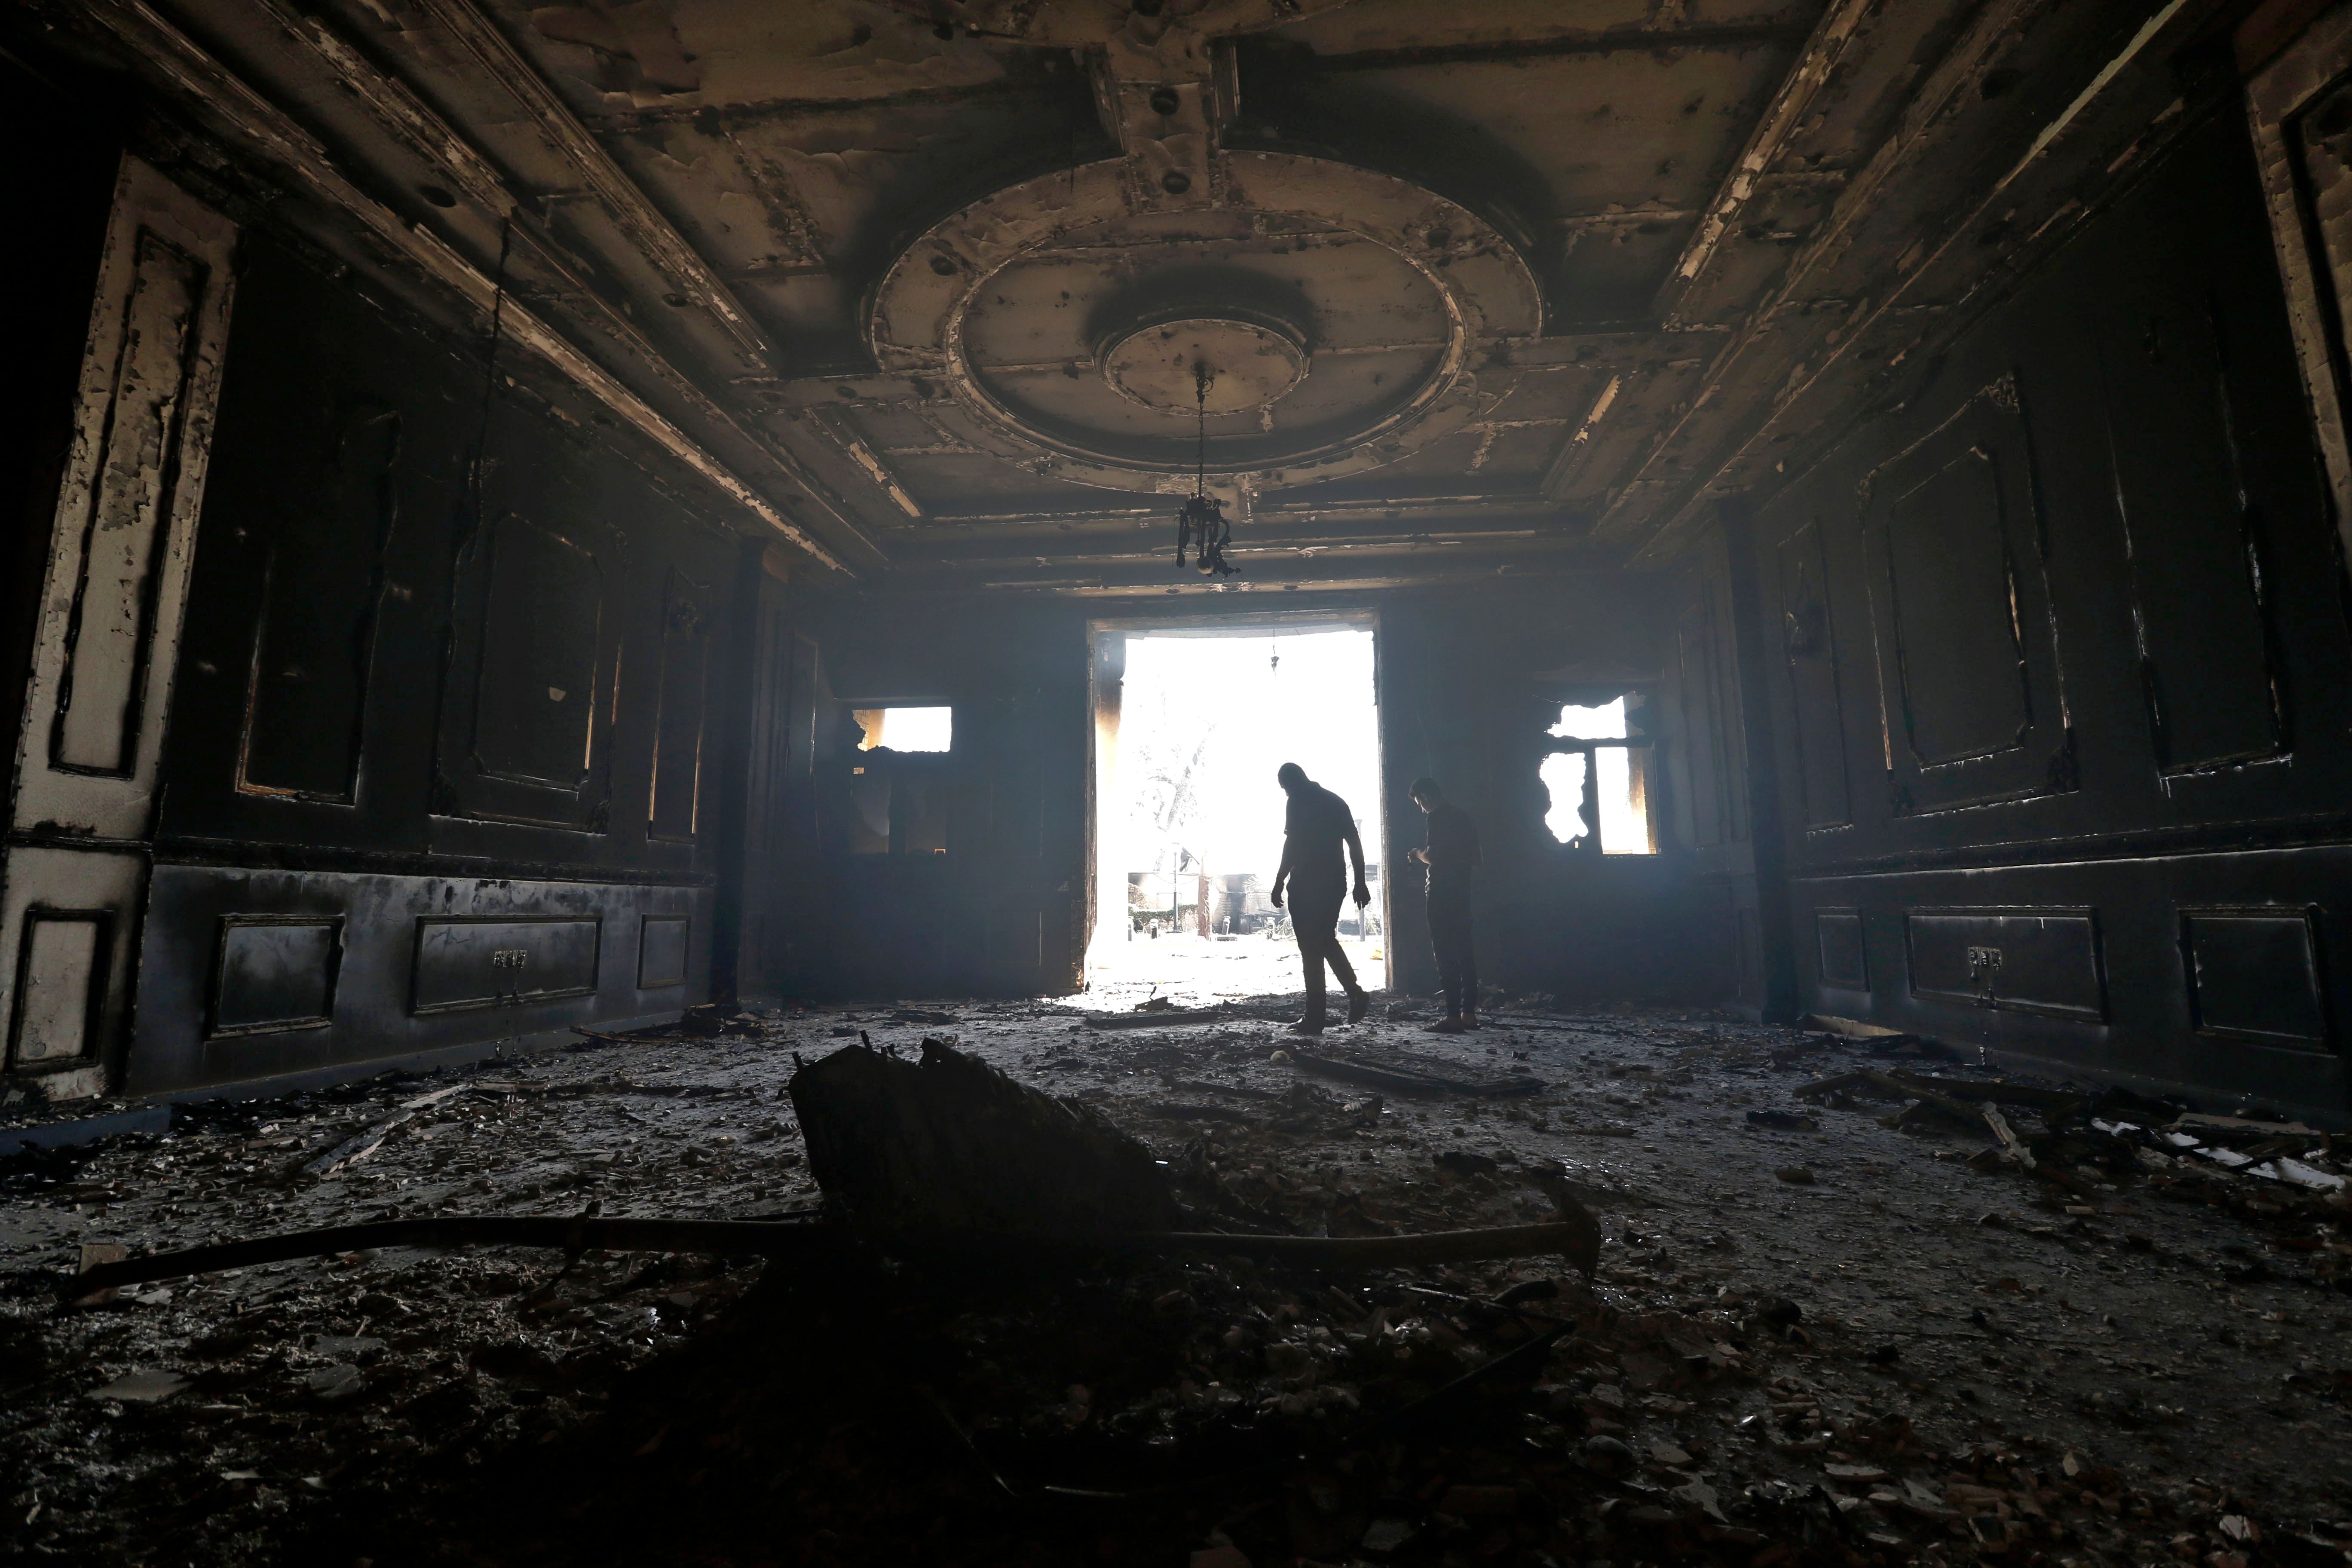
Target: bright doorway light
(1188, 829)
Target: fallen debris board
(2013, 1094)
(1152, 1020)
(359, 1145)
(1852, 1028)
(1411, 1079)
(2240, 1127)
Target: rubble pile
(1920, 1355)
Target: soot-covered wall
(2061, 687)
(1469, 683)
(443, 765)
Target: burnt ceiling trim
(1736, 37)
(1804, 83)
(1802, 353)
(751, 112)
(651, 232)
(254, 123)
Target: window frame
(930, 774)
(1640, 702)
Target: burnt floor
(2144, 1363)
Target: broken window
(906, 729)
(898, 780)
(1596, 770)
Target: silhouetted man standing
(1452, 856)
(1315, 826)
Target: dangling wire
(490, 369)
(1201, 524)
(1201, 427)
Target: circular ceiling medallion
(1341, 314)
(1204, 365)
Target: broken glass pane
(1605, 721)
(906, 729)
(1562, 773)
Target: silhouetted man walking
(1317, 824)
(1452, 856)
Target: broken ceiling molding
(2149, 32)
(261, 127)
(874, 469)
(1789, 109)
(395, 109)
(1723, 37)
(640, 222)
(1089, 24)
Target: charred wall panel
(779, 858)
(1843, 958)
(435, 769)
(276, 971)
(312, 655)
(689, 620)
(2117, 741)
(2192, 532)
(63, 195)
(322, 588)
(535, 688)
(1809, 647)
(2257, 973)
(423, 966)
(1968, 653)
(1717, 703)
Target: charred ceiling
(928, 287)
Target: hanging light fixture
(1201, 524)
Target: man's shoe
(1307, 1026)
(1449, 1025)
(1359, 1004)
(1470, 1021)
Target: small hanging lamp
(1201, 524)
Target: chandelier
(1201, 525)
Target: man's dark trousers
(1450, 935)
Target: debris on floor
(1886, 1363)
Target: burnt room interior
(648, 643)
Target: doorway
(1190, 723)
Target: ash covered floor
(1846, 1344)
